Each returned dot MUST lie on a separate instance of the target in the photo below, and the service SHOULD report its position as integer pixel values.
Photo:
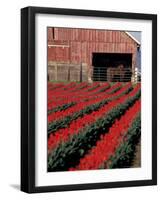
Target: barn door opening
(112, 67)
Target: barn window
(114, 67)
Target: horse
(118, 73)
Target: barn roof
(133, 38)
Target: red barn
(91, 55)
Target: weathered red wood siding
(77, 45)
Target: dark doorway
(112, 67)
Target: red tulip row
(65, 91)
(87, 93)
(109, 142)
(81, 105)
(59, 95)
(79, 124)
(82, 96)
(68, 87)
(62, 87)
(64, 122)
(62, 97)
(71, 86)
(52, 86)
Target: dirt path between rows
(137, 156)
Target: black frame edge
(93, 186)
(27, 101)
(154, 99)
(92, 13)
(24, 101)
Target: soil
(137, 156)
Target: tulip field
(92, 125)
